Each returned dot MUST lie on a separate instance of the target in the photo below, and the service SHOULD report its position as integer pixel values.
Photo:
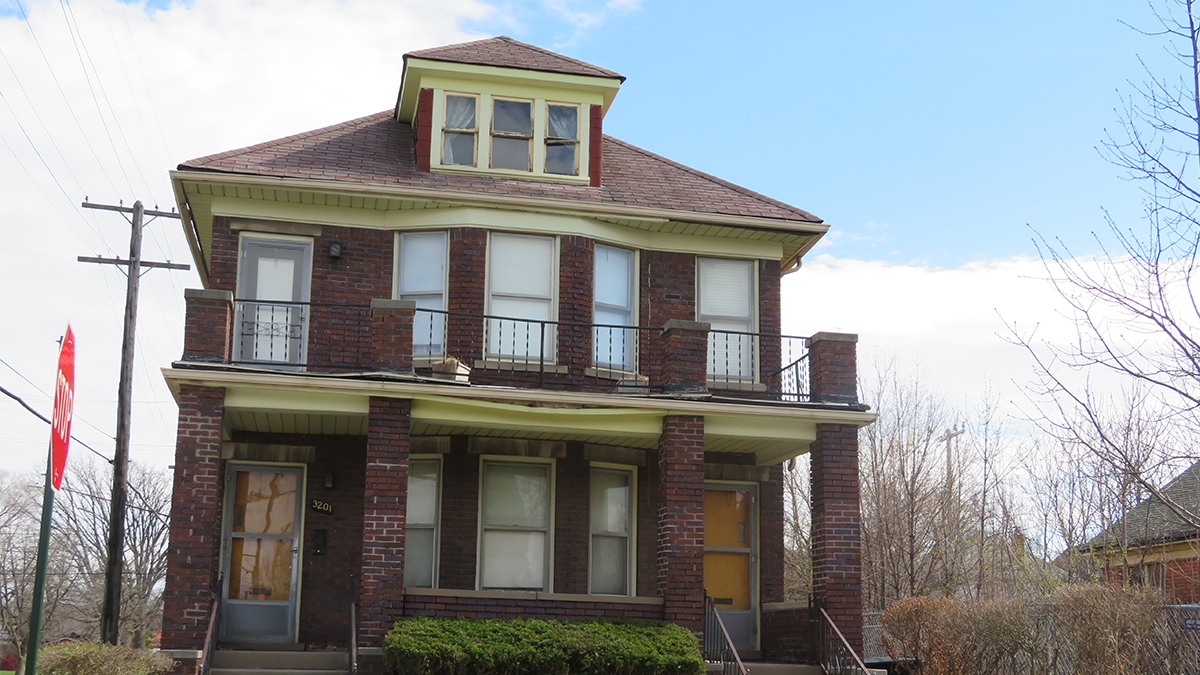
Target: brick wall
(468, 269)
(1182, 579)
(833, 368)
(423, 123)
(787, 636)
(668, 291)
(683, 357)
(460, 517)
(511, 608)
(572, 524)
(576, 278)
(770, 527)
(596, 146)
(769, 322)
(392, 334)
(195, 532)
(385, 501)
(647, 526)
(206, 334)
(836, 533)
(680, 488)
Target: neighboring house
(1153, 545)
(472, 357)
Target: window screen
(611, 498)
(726, 300)
(420, 558)
(614, 295)
(514, 546)
(422, 278)
(521, 281)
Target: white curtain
(563, 122)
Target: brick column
(771, 544)
(381, 593)
(680, 488)
(193, 549)
(684, 357)
(207, 334)
(836, 525)
(392, 334)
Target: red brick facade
(392, 334)
(836, 533)
(500, 607)
(209, 324)
(423, 128)
(195, 535)
(683, 355)
(680, 488)
(596, 146)
(386, 497)
(833, 368)
(787, 634)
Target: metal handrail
(210, 637)
(837, 657)
(353, 638)
(718, 648)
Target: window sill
(510, 173)
(520, 366)
(533, 595)
(735, 385)
(610, 374)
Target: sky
(937, 139)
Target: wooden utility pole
(110, 628)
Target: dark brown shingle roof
(506, 52)
(1152, 521)
(378, 150)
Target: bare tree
(1134, 308)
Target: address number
(323, 507)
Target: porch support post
(381, 594)
(680, 491)
(836, 525)
(392, 334)
(207, 334)
(193, 550)
(684, 357)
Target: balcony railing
(491, 349)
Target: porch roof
(305, 403)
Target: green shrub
(97, 658)
(429, 646)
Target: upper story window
(522, 278)
(273, 288)
(725, 299)
(514, 551)
(460, 130)
(512, 134)
(421, 544)
(562, 139)
(614, 291)
(421, 277)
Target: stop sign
(64, 398)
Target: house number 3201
(323, 507)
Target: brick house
(1153, 545)
(472, 357)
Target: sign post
(56, 462)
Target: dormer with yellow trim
(499, 107)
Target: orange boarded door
(728, 547)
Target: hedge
(436, 646)
(98, 658)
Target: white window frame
(250, 237)
(437, 515)
(551, 336)
(493, 134)
(631, 535)
(548, 553)
(752, 320)
(631, 367)
(545, 138)
(398, 294)
(475, 131)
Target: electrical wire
(43, 418)
(43, 393)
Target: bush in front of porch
(438, 646)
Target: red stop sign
(64, 398)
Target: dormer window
(512, 134)
(460, 130)
(562, 139)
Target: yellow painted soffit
(176, 377)
(416, 69)
(492, 415)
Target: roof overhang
(196, 190)
(304, 403)
(417, 69)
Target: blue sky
(931, 136)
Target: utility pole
(949, 436)
(110, 616)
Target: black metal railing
(487, 348)
(837, 657)
(270, 331)
(210, 639)
(718, 648)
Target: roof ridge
(713, 179)
(286, 139)
(565, 64)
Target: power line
(43, 393)
(42, 417)
(53, 204)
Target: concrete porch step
(276, 671)
(239, 662)
(761, 668)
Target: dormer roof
(505, 52)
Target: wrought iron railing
(718, 648)
(513, 350)
(210, 639)
(837, 657)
